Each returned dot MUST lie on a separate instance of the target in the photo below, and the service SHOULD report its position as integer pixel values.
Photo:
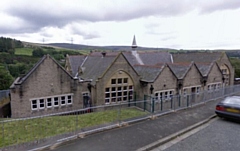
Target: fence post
(187, 100)
(119, 114)
(76, 123)
(153, 103)
(3, 132)
(144, 103)
(161, 103)
(179, 100)
(129, 100)
(135, 99)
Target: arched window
(119, 88)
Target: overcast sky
(179, 24)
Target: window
(34, 104)
(119, 81)
(209, 87)
(164, 95)
(69, 99)
(161, 95)
(107, 95)
(198, 90)
(41, 104)
(224, 71)
(184, 92)
(125, 80)
(63, 100)
(119, 89)
(49, 102)
(56, 103)
(170, 94)
(113, 81)
(156, 96)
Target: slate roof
(149, 58)
(75, 62)
(206, 57)
(95, 65)
(180, 69)
(148, 73)
(204, 68)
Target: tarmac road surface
(138, 136)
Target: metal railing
(51, 128)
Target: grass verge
(21, 131)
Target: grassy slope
(16, 132)
(24, 51)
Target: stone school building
(104, 78)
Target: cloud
(168, 22)
(218, 5)
(42, 13)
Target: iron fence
(32, 131)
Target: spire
(134, 44)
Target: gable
(215, 74)
(43, 65)
(120, 63)
(192, 77)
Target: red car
(229, 108)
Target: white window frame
(185, 92)
(164, 95)
(47, 101)
(69, 99)
(121, 90)
(65, 100)
(198, 90)
(41, 103)
(34, 104)
(54, 101)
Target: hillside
(112, 48)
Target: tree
(5, 78)
(38, 52)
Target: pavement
(144, 135)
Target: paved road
(144, 133)
(219, 135)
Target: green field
(28, 51)
(24, 51)
(20, 131)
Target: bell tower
(134, 44)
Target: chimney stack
(104, 54)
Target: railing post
(161, 103)
(129, 100)
(144, 103)
(153, 103)
(135, 98)
(3, 133)
(119, 114)
(179, 100)
(187, 100)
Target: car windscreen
(232, 100)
